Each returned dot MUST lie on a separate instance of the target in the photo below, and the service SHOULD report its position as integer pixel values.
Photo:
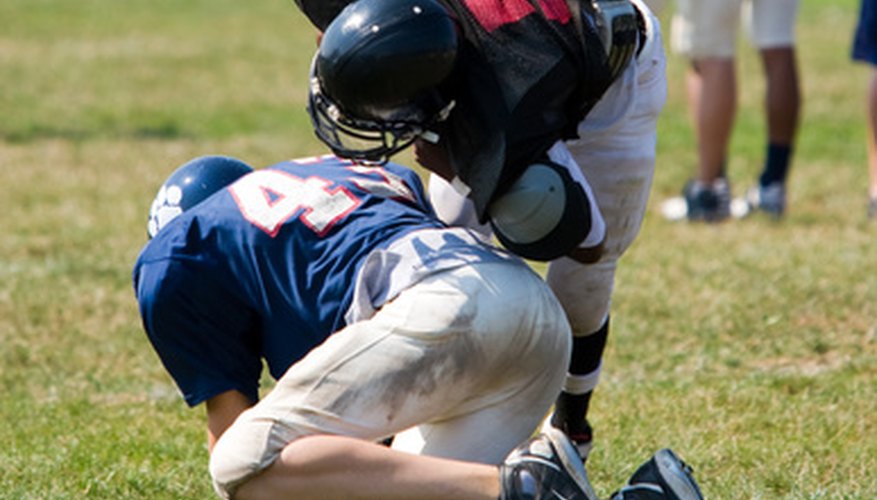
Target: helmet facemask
(380, 76)
(374, 139)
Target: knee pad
(545, 214)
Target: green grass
(749, 347)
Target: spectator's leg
(712, 90)
(872, 135)
(782, 107)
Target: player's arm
(589, 254)
(222, 410)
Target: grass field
(749, 347)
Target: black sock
(569, 415)
(571, 410)
(588, 351)
(776, 164)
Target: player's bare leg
(327, 467)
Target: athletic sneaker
(770, 199)
(545, 467)
(662, 477)
(708, 202)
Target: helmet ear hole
(189, 185)
(543, 215)
(377, 75)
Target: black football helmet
(377, 80)
(190, 184)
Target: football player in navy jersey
(375, 319)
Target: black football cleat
(546, 467)
(662, 477)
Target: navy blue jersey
(266, 268)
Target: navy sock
(776, 165)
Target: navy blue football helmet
(377, 80)
(190, 184)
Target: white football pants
(471, 356)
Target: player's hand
(588, 255)
(434, 157)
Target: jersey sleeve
(204, 334)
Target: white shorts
(708, 28)
(474, 356)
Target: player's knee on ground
(229, 472)
(243, 451)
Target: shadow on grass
(167, 130)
